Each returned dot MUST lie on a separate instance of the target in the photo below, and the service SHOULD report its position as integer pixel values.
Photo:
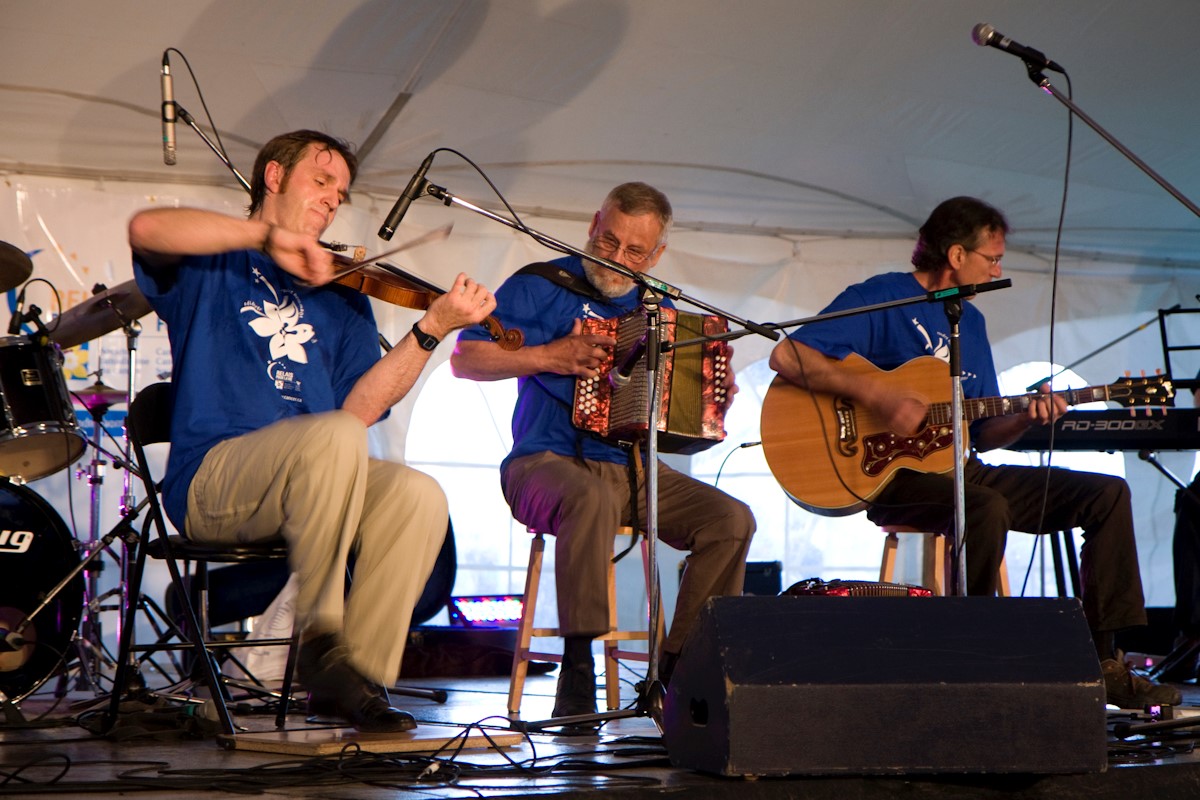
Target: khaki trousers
(308, 479)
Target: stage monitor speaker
(887, 685)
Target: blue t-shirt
(544, 312)
(893, 336)
(249, 347)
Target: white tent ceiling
(847, 118)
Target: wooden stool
(935, 567)
(613, 640)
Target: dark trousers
(1004, 498)
(1185, 550)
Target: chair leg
(612, 679)
(1002, 587)
(212, 674)
(937, 566)
(887, 565)
(520, 665)
(126, 663)
(289, 673)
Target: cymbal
(15, 267)
(100, 314)
(98, 395)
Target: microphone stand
(182, 114)
(652, 292)
(1042, 82)
(952, 300)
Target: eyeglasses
(994, 259)
(606, 245)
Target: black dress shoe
(576, 692)
(337, 689)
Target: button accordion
(692, 409)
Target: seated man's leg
(304, 479)
(403, 524)
(926, 501)
(581, 503)
(1101, 505)
(1108, 564)
(716, 529)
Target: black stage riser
(870, 685)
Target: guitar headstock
(1151, 392)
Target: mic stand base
(649, 704)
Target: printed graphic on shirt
(942, 349)
(278, 320)
(587, 313)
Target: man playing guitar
(962, 243)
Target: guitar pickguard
(883, 449)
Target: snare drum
(36, 552)
(38, 432)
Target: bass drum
(36, 552)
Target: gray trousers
(584, 502)
(308, 479)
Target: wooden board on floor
(324, 741)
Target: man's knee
(332, 439)
(403, 487)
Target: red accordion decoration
(692, 412)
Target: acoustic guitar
(832, 456)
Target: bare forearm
(485, 361)
(388, 381)
(808, 368)
(192, 231)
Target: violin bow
(435, 235)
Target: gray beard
(605, 281)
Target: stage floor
(53, 754)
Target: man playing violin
(277, 377)
(576, 485)
(961, 244)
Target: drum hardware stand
(92, 655)
(653, 291)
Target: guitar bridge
(847, 427)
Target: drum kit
(46, 584)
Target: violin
(391, 284)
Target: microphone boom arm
(1044, 84)
(182, 114)
(640, 278)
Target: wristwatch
(426, 341)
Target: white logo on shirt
(942, 350)
(280, 321)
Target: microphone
(985, 35)
(168, 113)
(621, 376)
(416, 187)
(14, 324)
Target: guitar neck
(984, 407)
